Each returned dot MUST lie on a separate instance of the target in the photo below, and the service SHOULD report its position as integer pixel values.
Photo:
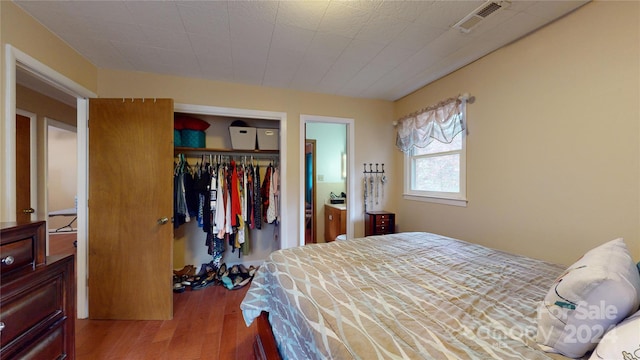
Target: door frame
(33, 163)
(285, 212)
(350, 123)
(314, 239)
(60, 125)
(16, 58)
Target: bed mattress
(401, 296)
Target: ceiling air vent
(478, 15)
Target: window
(434, 141)
(437, 172)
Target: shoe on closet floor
(238, 276)
(178, 288)
(205, 282)
(188, 270)
(222, 271)
(205, 269)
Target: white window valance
(440, 122)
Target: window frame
(440, 197)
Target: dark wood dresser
(379, 223)
(37, 296)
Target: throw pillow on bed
(621, 342)
(590, 297)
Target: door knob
(28, 211)
(163, 221)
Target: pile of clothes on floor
(232, 278)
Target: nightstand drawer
(380, 221)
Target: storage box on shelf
(268, 139)
(193, 138)
(243, 138)
(189, 131)
(177, 137)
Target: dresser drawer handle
(8, 260)
(1, 326)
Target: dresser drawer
(37, 296)
(32, 307)
(16, 255)
(21, 246)
(51, 345)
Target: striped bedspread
(401, 296)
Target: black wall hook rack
(371, 171)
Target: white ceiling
(372, 49)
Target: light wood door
(23, 169)
(130, 206)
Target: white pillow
(590, 297)
(622, 342)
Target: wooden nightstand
(379, 223)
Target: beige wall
(370, 116)
(553, 151)
(553, 162)
(43, 106)
(27, 35)
(61, 175)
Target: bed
(399, 296)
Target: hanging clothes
(264, 192)
(257, 199)
(230, 200)
(221, 203)
(274, 196)
(181, 211)
(236, 209)
(250, 189)
(201, 186)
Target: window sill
(454, 202)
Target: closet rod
(192, 154)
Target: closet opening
(192, 244)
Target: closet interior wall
(190, 239)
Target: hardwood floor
(207, 324)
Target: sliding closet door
(130, 207)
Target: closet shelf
(199, 151)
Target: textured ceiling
(371, 49)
